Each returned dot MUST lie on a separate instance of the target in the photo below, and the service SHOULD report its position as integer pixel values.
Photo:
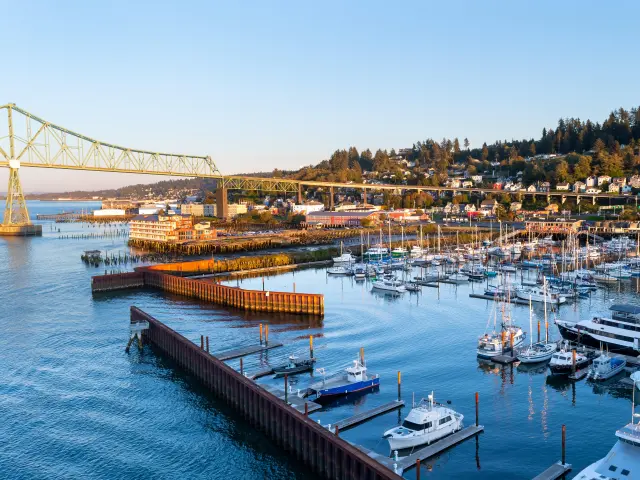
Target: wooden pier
(579, 375)
(554, 472)
(505, 359)
(294, 400)
(514, 300)
(244, 351)
(323, 453)
(260, 374)
(367, 415)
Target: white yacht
(344, 258)
(537, 294)
(426, 422)
(416, 251)
(562, 362)
(458, 278)
(623, 460)
(339, 270)
(389, 285)
(605, 367)
(616, 335)
(490, 346)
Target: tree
(598, 147)
(485, 152)
(532, 149)
(456, 146)
(583, 168)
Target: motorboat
(604, 367)
(354, 379)
(426, 423)
(344, 258)
(389, 285)
(537, 294)
(377, 251)
(416, 251)
(490, 346)
(495, 291)
(412, 287)
(623, 460)
(508, 268)
(537, 352)
(562, 362)
(625, 312)
(619, 336)
(359, 272)
(339, 270)
(398, 252)
(294, 366)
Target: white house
(614, 188)
(531, 189)
(604, 179)
(488, 207)
(563, 186)
(308, 207)
(579, 187)
(591, 181)
(476, 178)
(593, 190)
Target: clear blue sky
(259, 85)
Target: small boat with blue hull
(604, 367)
(353, 379)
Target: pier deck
(505, 359)
(367, 415)
(516, 301)
(244, 351)
(555, 471)
(579, 375)
(294, 400)
(260, 374)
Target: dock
(579, 375)
(514, 300)
(293, 400)
(367, 415)
(260, 374)
(505, 359)
(554, 472)
(244, 351)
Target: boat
(499, 343)
(389, 285)
(426, 423)
(508, 268)
(562, 362)
(339, 270)
(359, 272)
(412, 287)
(537, 294)
(619, 336)
(605, 367)
(537, 352)
(623, 460)
(495, 291)
(625, 312)
(377, 251)
(353, 379)
(458, 278)
(416, 251)
(344, 258)
(294, 366)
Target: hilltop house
(488, 207)
(614, 188)
(634, 181)
(563, 186)
(579, 187)
(591, 181)
(531, 189)
(593, 190)
(604, 179)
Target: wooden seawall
(250, 300)
(323, 452)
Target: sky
(261, 85)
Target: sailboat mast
(546, 323)
(530, 322)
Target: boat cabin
(357, 373)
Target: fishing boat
(389, 285)
(294, 366)
(562, 362)
(398, 252)
(537, 352)
(499, 343)
(353, 379)
(605, 367)
(427, 422)
(623, 460)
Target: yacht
(427, 422)
(353, 379)
(389, 285)
(537, 294)
(339, 270)
(562, 362)
(625, 312)
(398, 252)
(458, 278)
(344, 258)
(537, 352)
(359, 271)
(623, 460)
(490, 346)
(619, 336)
(377, 251)
(416, 251)
(605, 367)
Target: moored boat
(605, 367)
(294, 366)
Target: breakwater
(250, 300)
(324, 452)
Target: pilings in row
(252, 300)
(325, 453)
(117, 281)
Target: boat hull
(585, 339)
(404, 442)
(328, 394)
(566, 369)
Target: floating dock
(244, 351)
(514, 300)
(505, 359)
(405, 463)
(260, 374)
(293, 400)
(554, 472)
(367, 415)
(579, 375)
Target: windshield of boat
(415, 426)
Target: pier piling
(477, 409)
(418, 469)
(564, 444)
(310, 346)
(286, 388)
(399, 386)
(337, 431)
(241, 367)
(201, 342)
(207, 343)
(260, 334)
(266, 334)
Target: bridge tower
(16, 216)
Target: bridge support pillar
(222, 210)
(564, 199)
(578, 198)
(593, 200)
(548, 199)
(331, 198)
(299, 194)
(364, 195)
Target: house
(614, 188)
(620, 181)
(515, 207)
(467, 184)
(579, 187)
(451, 209)
(488, 207)
(454, 183)
(593, 190)
(470, 208)
(591, 181)
(634, 181)
(626, 189)
(544, 186)
(531, 189)
(604, 179)
(308, 207)
(476, 178)
(563, 187)
(497, 186)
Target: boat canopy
(625, 308)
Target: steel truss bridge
(30, 141)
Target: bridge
(30, 141)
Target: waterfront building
(109, 212)
(160, 228)
(198, 209)
(553, 226)
(340, 219)
(308, 207)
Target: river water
(73, 404)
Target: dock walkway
(294, 400)
(243, 351)
(367, 415)
(555, 471)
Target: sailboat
(499, 343)
(537, 352)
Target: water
(73, 404)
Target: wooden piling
(477, 409)
(511, 343)
(260, 334)
(337, 431)
(266, 334)
(310, 346)
(573, 361)
(399, 385)
(538, 331)
(201, 342)
(564, 444)
(286, 389)
(418, 469)
(241, 367)
(207, 343)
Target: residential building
(497, 186)
(476, 178)
(592, 190)
(563, 187)
(591, 181)
(626, 189)
(604, 179)
(579, 187)
(634, 181)
(531, 188)
(198, 209)
(235, 209)
(339, 219)
(619, 180)
(467, 184)
(515, 207)
(614, 188)
(544, 187)
(488, 207)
